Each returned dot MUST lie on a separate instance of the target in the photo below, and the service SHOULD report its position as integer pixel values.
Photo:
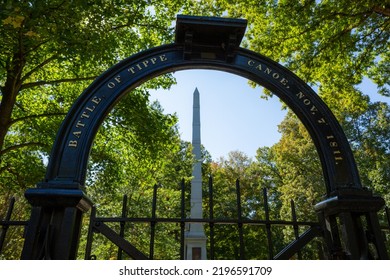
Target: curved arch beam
(69, 157)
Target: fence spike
(268, 225)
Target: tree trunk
(9, 93)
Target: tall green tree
(333, 46)
(369, 137)
(251, 176)
(51, 50)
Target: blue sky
(233, 116)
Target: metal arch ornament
(68, 161)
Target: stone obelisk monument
(195, 239)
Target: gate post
(55, 222)
(350, 224)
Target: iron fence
(6, 222)
(303, 231)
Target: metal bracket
(188, 38)
(209, 37)
(298, 244)
(119, 241)
(232, 43)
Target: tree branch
(36, 116)
(37, 46)
(3, 64)
(18, 146)
(384, 11)
(43, 63)
(53, 82)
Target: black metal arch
(68, 161)
(201, 43)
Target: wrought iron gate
(303, 231)
(99, 225)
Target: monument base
(195, 246)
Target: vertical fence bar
(268, 225)
(5, 226)
(122, 225)
(182, 218)
(211, 214)
(88, 246)
(295, 225)
(387, 213)
(153, 223)
(239, 222)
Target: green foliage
(252, 176)
(322, 41)
(333, 46)
(51, 50)
(369, 138)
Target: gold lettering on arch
(81, 122)
(258, 67)
(138, 67)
